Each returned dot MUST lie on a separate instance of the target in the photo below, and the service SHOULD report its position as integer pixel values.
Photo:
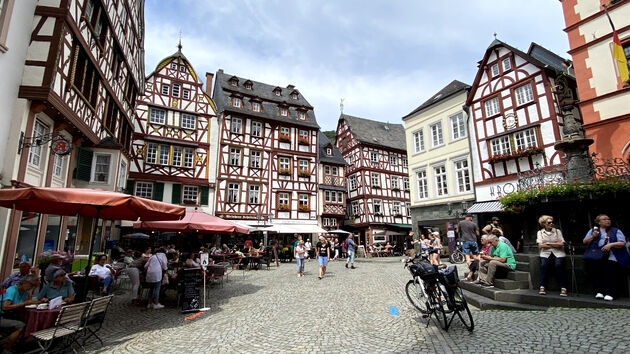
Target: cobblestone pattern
(347, 311)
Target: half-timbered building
(83, 69)
(514, 121)
(267, 159)
(377, 177)
(331, 208)
(172, 159)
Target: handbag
(594, 252)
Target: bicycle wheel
(438, 302)
(463, 312)
(457, 257)
(416, 296)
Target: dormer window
(236, 102)
(284, 112)
(248, 85)
(256, 107)
(277, 91)
(301, 115)
(234, 81)
(294, 95)
(329, 151)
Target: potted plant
(304, 208)
(283, 207)
(303, 141)
(304, 174)
(284, 138)
(284, 172)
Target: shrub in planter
(285, 172)
(304, 208)
(283, 207)
(284, 138)
(304, 174)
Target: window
(234, 82)
(378, 206)
(284, 164)
(406, 183)
(122, 176)
(189, 154)
(492, 107)
(463, 176)
(350, 159)
(408, 207)
(524, 94)
(277, 92)
(101, 168)
(174, 66)
(182, 68)
(437, 139)
(163, 154)
(294, 96)
(494, 69)
(285, 133)
(283, 201)
(395, 182)
(235, 156)
(177, 156)
(393, 159)
(232, 193)
(352, 182)
(303, 165)
(190, 195)
(303, 134)
(144, 190)
(525, 139)
(97, 18)
(151, 153)
(186, 94)
(165, 89)
(176, 90)
(374, 156)
(248, 85)
(237, 125)
(327, 196)
(284, 112)
(157, 116)
(423, 188)
(458, 126)
(375, 178)
(303, 200)
(254, 194)
(355, 208)
(254, 159)
(339, 197)
(441, 187)
(255, 106)
(85, 79)
(335, 171)
(58, 165)
(329, 151)
(396, 208)
(237, 102)
(188, 121)
(35, 152)
(256, 129)
(405, 162)
(418, 141)
(501, 145)
(302, 115)
(507, 65)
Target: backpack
(345, 243)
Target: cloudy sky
(385, 57)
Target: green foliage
(332, 135)
(518, 201)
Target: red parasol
(194, 220)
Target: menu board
(191, 281)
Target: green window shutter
(83, 170)
(130, 186)
(158, 192)
(204, 195)
(176, 196)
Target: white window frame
(144, 189)
(494, 70)
(186, 94)
(284, 196)
(396, 208)
(176, 89)
(437, 134)
(418, 141)
(189, 157)
(178, 154)
(182, 68)
(334, 171)
(253, 194)
(355, 208)
(408, 207)
(285, 131)
(35, 152)
(58, 166)
(109, 168)
(165, 89)
(440, 179)
(374, 156)
(237, 102)
(525, 139)
(256, 107)
(507, 64)
(236, 125)
(255, 159)
(235, 156)
(303, 199)
(377, 203)
(492, 107)
(284, 112)
(256, 129)
(422, 184)
(303, 165)
(393, 159)
(327, 196)
(188, 121)
(156, 118)
(152, 149)
(405, 162)
(458, 126)
(122, 175)
(375, 177)
(329, 151)
(301, 115)
(462, 175)
(284, 163)
(524, 94)
(395, 182)
(406, 183)
(501, 145)
(161, 154)
(233, 194)
(190, 194)
(352, 182)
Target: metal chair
(69, 324)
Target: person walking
(409, 245)
(156, 264)
(336, 247)
(298, 253)
(323, 254)
(308, 245)
(351, 246)
(468, 231)
(274, 248)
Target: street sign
(204, 259)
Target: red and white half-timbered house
(514, 119)
(83, 70)
(267, 160)
(377, 177)
(331, 208)
(173, 137)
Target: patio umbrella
(89, 203)
(138, 235)
(339, 232)
(194, 220)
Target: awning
(291, 229)
(485, 207)
(402, 226)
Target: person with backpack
(351, 246)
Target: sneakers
(599, 296)
(158, 306)
(346, 265)
(608, 298)
(299, 275)
(563, 292)
(542, 291)
(150, 305)
(352, 267)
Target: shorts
(323, 261)
(411, 252)
(470, 247)
(351, 256)
(8, 326)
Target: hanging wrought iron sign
(60, 146)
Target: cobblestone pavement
(347, 311)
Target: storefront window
(83, 246)
(27, 238)
(53, 227)
(71, 234)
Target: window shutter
(158, 193)
(130, 186)
(176, 196)
(204, 195)
(83, 170)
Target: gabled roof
(449, 90)
(223, 92)
(376, 133)
(537, 55)
(322, 144)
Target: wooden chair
(69, 324)
(94, 317)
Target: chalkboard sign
(190, 284)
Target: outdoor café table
(36, 320)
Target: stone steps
(508, 284)
(484, 303)
(518, 275)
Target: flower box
(532, 150)
(284, 138)
(304, 141)
(283, 207)
(284, 172)
(304, 208)
(304, 174)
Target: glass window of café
(53, 229)
(27, 238)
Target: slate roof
(322, 143)
(264, 93)
(376, 133)
(550, 58)
(449, 90)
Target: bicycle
(436, 293)
(457, 256)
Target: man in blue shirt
(15, 298)
(13, 279)
(351, 246)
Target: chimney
(209, 77)
(290, 87)
(220, 71)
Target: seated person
(55, 264)
(261, 248)
(500, 259)
(103, 272)
(388, 247)
(128, 257)
(13, 279)
(475, 258)
(191, 261)
(59, 287)
(248, 246)
(15, 298)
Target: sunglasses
(549, 222)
